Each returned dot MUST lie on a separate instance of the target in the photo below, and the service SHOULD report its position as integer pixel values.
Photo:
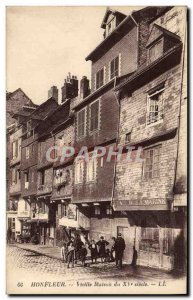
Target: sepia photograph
(96, 150)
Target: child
(108, 256)
(63, 253)
(93, 251)
(70, 255)
(83, 254)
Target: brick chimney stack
(53, 92)
(70, 88)
(84, 87)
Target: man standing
(119, 249)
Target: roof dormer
(160, 41)
(111, 20)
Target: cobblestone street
(25, 267)
(18, 258)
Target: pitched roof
(109, 12)
(157, 31)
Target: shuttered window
(91, 168)
(94, 116)
(152, 163)
(81, 119)
(100, 78)
(114, 67)
(155, 106)
(79, 170)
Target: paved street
(29, 271)
(18, 258)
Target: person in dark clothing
(93, 251)
(108, 255)
(119, 249)
(9, 235)
(102, 243)
(134, 260)
(78, 246)
(70, 254)
(83, 254)
(113, 249)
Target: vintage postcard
(96, 150)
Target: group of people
(75, 250)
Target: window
(63, 210)
(97, 211)
(32, 149)
(155, 107)
(114, 67)
(110, 26)
(91, 168)
(152, 161)
(14, 176)
(79, 170)
(15, 149)
(81, 116)
(156, 51)
(26, 179)
(100, 78)
(42, 177)
(109, 210)
(27, 152)
(32, 176)
(150, 240)
(29, 128)
(42, 207)
(128, 137)
(94, 116)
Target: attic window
(156, 51)
(110, 26)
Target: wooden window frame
(156, 115)
(83, 124)
(91, 118)
(151, 167)
(115, 72)
(98, 80)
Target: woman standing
(93, 251)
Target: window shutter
(94, 82)
(15, 176)
(109, 75)
(16, 148)
(119, 64)
(11, 176)
(104, 79)
(11, 150)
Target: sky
(43, 44)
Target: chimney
(84, 87)
(70, 88)
(53, 92)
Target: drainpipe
(180, 103)
(116, 142)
